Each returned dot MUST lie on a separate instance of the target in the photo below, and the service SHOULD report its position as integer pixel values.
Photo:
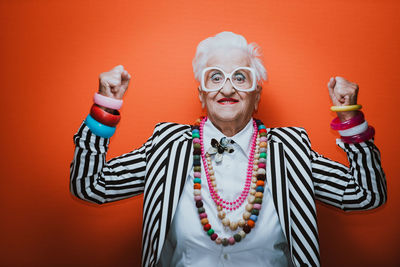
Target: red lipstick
(227, 101)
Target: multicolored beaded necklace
(255, 181)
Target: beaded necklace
(256, 173)
(219, 201)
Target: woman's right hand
(114, 83)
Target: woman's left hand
(343, 93)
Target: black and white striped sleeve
(360, 186)
(95, 180)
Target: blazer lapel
(278, 186)
(179, 164)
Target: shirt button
(225, 256)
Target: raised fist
(343, 93)
(114, 83)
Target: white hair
(228, 40)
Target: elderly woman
(228, 191)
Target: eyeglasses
(242, 79)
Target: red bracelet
(105, 117)
(358, 138)
(336, 124)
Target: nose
(227, 89)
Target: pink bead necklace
(219, 201)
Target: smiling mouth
(227, 101)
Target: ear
(258, 97)
(201, 97)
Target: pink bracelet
(358, 138)
(107, 102)
(337, 125)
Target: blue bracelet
(98, 128)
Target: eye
(240, 77)
(216, 77)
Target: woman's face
(228, 104)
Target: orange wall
(53, 51)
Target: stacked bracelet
(356, 129)
(105, 117)
(358, 138)
(337, 125)
(346, 108)
(98, 128)
(107, 102)
(101, 122)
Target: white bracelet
(355, 130)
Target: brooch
(220, 147)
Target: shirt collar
(242, 138)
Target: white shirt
(187, 244)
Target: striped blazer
(296, 176)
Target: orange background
(53, 51)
